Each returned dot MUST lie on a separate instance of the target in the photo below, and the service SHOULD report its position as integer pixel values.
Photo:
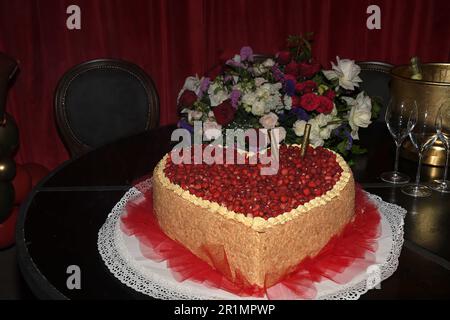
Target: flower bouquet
(284, 91)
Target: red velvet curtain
(176, 38)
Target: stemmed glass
(398, 121)
(422, 135)
(443, 133)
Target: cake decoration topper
(305, 142)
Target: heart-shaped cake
(263, 226)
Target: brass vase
(433, 90)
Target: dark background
(173, 39)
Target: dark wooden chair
(8, 68)
(102, 100)
(376, 78)
(9, 133)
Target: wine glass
(397, 118)
(443, 133)
(423, 135)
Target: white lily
(360, 113)
(192, 84)
(346, 71)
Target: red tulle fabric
(340, 260)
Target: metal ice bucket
(432, 90)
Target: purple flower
(185, 125)
(233, 63)
(300, 113)
(289, 87)
(204, 85)
(349, 139)
(234, 96)
(277, 74)
(246, 54)
(343, 132)
(227, 78)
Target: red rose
(305, 87)
(290, 77)
(308, 70)
(295, 101)
(330, 94)
(187, 99)
(283, 57)
(291, 69)
(224, 113)
(325, 105)
(309, 102)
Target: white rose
(269, 120)
(334, 125)
(218, 98)
(281, 133)
(268, 63)
(314, 137)
(322, 119)
(258, 108)
(192, 84)
(299, 127)
(334, 111)
(346, 71)
(276, 86)
(325, 132)
(259, 69)
(316, 141)
(360, 113)
(211, 130)
(216, 94)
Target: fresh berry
(243, 189)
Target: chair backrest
(8, 68)
(102, 100)
(376, 78)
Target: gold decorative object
(433, 90)
(305, 142)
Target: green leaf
(351, 162)
(377, 105)
(356, 149)
(342, 147)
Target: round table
(59, 222)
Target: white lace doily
(123, 258)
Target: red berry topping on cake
(242, 188)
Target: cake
(263, 225)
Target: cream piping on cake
(258, 223)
